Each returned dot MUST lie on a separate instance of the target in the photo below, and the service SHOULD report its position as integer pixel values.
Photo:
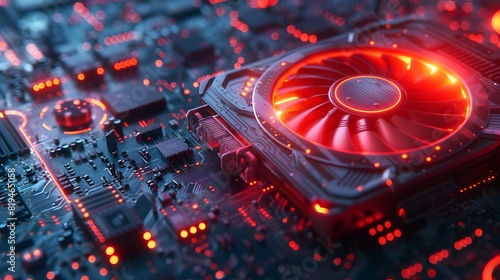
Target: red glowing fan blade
(417, 72)
(286, 92)
(449, 92)
(293, 108)
(435, 80)
(320, 70)
(395, 137)
(358, 64)
(445, 121)
(342, 137)
(340, 66)
(376, 65)
(397, 67)
(438, 107)
(302, 120)
(307, 80)
(323, 127)
(367, 140)
(420, 131)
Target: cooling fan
(347, 129)
(371, 102)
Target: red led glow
(48, 84)
(490, 267)
(128, 63)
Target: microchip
(148, 133)
(107, 220)
(172, 147)
(134, 102)
(195, 50)
(117, 223)
(259, 20)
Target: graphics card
(353, 127)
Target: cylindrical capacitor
(118, 126)
(111, 142)
(79, 144)
(65, 149)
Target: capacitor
(111, 142)
(65, 238)
(107, 126)
(56, 141)
(118, 126)
(65, 149)
(79, 144)
(53, 153)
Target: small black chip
(134, 102)
(117, 222)
(172, 147)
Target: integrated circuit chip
(135, 101)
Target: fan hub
(366, 95)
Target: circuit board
(231, 139)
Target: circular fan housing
(369, 102)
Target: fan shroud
(370, 105)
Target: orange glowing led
(202, 226)
(184, 233)
(495, 22)
(80, 77)
(147, 235)
(27, 256)
(100, 71)
(193, 230)
(321, 209)
(113, 259)
(110, 250)
(151, 244)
